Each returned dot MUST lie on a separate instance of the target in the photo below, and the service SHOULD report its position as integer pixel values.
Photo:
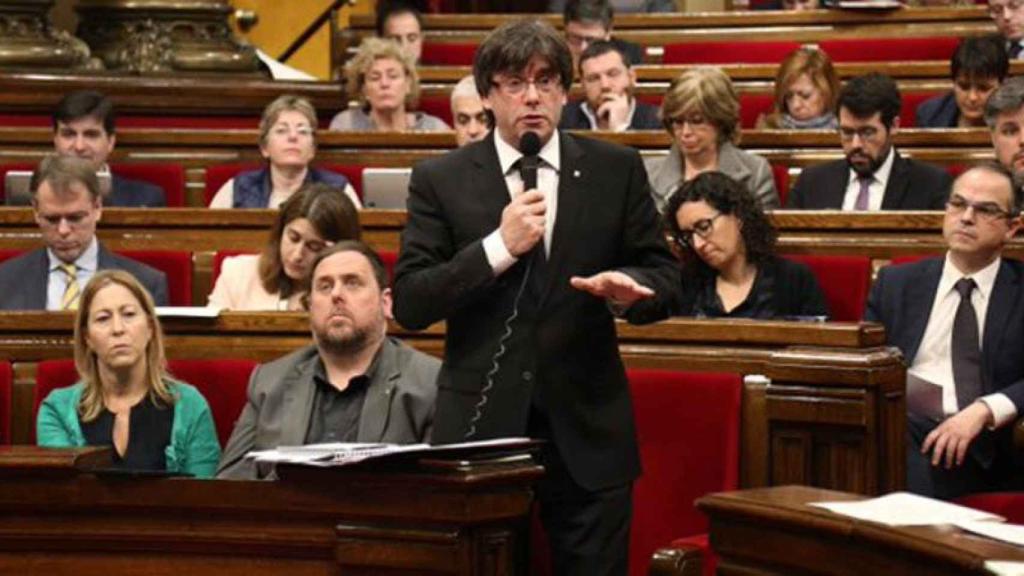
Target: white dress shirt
(57, 280)
(497, 253)
(876, 191)
(934, 360)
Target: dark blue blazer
(23, 279)
(901, 299)
(912, 185)
(645, 117)
(937, 112)
(125, 193)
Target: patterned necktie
(966, 349)
(864, 196)
(72, 291)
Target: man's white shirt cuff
(1003, 410)
(498, 255)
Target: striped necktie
(72, 291)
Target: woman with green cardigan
(124, 398)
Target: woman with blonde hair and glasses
(288, 144)
(806, 89)
(702, 114)
(125, 397)
(383, 79)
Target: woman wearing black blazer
(727, 248)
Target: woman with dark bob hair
(124, 396)
(727, 247)
(314, 218)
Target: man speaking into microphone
(526, 244)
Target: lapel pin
(575, 173)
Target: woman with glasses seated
(727, 247)
(124, 397)
(701, 112)
(383, 79)
(313, 219)
(288, 143)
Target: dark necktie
(966, 348)
(1014, 50)
(536, 257)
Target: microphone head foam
(529, 144)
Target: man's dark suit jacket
(125, 193)
(23, 279)
(937, 112)
(645, 117)
(901, 299)
(562, 355)
(912, 185)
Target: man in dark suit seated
(586, 22)
(1009, 18)
(83, 126)
(526, 244)
(67, 204)
(1004, 115)
(608, 81)
(873, 176)
(353, 384)
(959, 321)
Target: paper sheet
(1010, 533)
(905, 509)
(1005, 568)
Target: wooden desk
(823, 404)
(58, 518)
(773, 532)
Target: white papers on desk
(1010, 533)
(1005, 568)
(187, 311)
(341, 454)
(906, 509)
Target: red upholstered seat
(6, 384)
(170, 177)
(438, 54)
(780, 173)
(845, 280)
(176, 265)
(752, 106)
(1009, 505)
(162, 121)
(728, 52)
(218, 174)
(911, 100)
(886, 49)
(439, 105)
(390, 258)
(222, 382)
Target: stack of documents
(343, 454)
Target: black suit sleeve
(796, 199)
(433, 277)
(873, 312)
(940, 191)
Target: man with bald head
(469, 118)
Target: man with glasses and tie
(1009, 18)
(959, 321)
(67, 205)
(873, 175)
(526, 244)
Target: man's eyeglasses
(701, 228)
(515, 85)
(985, 210)
(865, 133)
(996, 10)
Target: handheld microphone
(529, 146)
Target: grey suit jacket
(748, 169)
(23, 279)
(399, 405)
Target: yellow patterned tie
(72, 290)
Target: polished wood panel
(774, 532)
(416, 519)
(834, 385)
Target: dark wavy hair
(728, 197)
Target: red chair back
(728, 52)
(438, 54)
(223, 383)
(169, 177)
(780, 173)
(910, 101)
(437, 105)
(752, 106)
(390, 258)
(176, 265)
(1009, 505)
(886, 49)
(688, 428)
(6, 386)
(845, 280)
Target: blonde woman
(124, 397)
(383, 79)
(806, 89)
(702, 112)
